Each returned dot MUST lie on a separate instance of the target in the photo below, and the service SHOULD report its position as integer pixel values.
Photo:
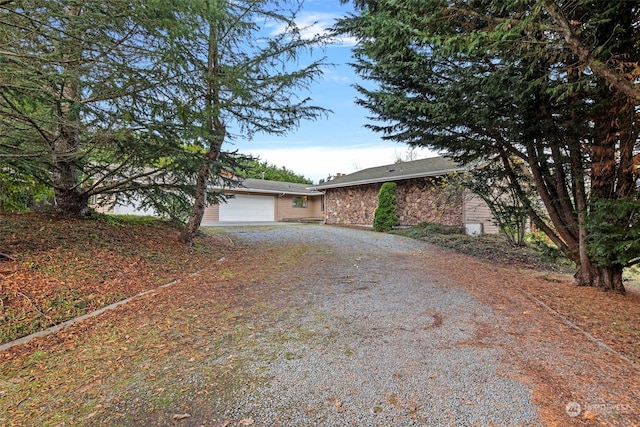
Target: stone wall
(351, 205)
(418, 200)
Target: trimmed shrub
(385, 217)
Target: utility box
(473, 229)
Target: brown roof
(433, 166)
(251, 185)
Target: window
(299, 201)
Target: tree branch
(576, 45)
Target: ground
(223, 305)
(55, 269)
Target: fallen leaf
(181, 416)
(246, 422)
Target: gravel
(371, 340)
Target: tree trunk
(216, 131)
(70, 199)
(604, 278)
(71, 202)
(200, 203)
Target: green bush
(614, 232)
(431, 227)
(548, 251)
(385, 217)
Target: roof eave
(257, 190)
(388, 178)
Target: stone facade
(418, 200)
(351, 205)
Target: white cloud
(331, 75)
(312, 24)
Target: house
(420, 196)
(264, 200)
(253, 200)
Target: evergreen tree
(255, 168)
(385, 217)
(133, 99)
(552, 84)
(82, 102)
(235, 80)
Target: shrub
(431, 227)
(614, 232)
(385, 217)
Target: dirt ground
(596, 363)
(574, 345)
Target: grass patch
(124, 220)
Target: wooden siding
(476, 211)
(285, 210)
(211, 215)
(102, 203)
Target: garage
(248, 208)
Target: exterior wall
(286, 211)
(103, 203)
(351, 205)
(211, 214)
(283, 206)
(425, 199)
(107, 204)
(418, 200)
(476, 211)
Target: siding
(211, 215)
(476, 211)
(286, 211)
(103, 203)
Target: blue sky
(339, 143)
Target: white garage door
(247, 208)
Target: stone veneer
(418, 200)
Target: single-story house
(264, 200)
(253, 200)
(420, 196)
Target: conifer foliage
(546, 87)
(385, 217)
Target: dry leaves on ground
(58, 269)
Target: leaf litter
(108, 369)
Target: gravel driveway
(373, 340)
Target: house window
(299, 201)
